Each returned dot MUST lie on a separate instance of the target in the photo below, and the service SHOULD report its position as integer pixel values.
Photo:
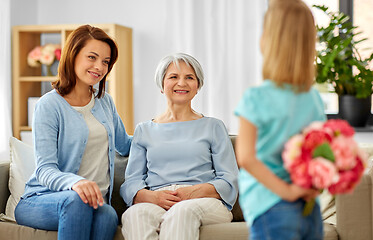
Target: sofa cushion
(22, 165)
(117, 201)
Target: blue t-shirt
(186, 153)
(278, 113)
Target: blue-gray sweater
(60, 136)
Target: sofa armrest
(354, 212)
(4, 190)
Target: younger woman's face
(92, 62)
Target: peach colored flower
(292, 151)
(323, 172)
(317, 125)
(34, 56)
(345, 151)
(47, 54)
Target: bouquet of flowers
(46, 55)
(324, 156)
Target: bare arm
(246, 157)
(204, 190)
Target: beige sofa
(354, 214)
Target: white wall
(23, 12)
(145, 17)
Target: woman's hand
(89, 192)
(165, 199)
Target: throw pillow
(22, 165)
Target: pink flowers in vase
(325, 156)
(46, 55)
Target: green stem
(308, 207)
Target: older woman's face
(180, 83)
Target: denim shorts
(285, 220)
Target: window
(329, 98)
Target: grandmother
(182, 171)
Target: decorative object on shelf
(325, 156)
(45, 55)
(340, 64)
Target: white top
(95, 161)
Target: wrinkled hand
(296, 192)
(166, 199)
(186, 193)
(89, 192)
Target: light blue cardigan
(60, 135)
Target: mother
(182, 171)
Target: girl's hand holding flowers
(325, 156)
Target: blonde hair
(288, 44)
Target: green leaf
(324, 150)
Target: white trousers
(145, 221)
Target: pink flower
(57, 53)
(348, 179)
(314, 138)
(34, 56)
(299, 175)
(345, 152)
(339, 126)
(323, 173)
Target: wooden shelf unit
(27, 80)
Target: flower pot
(355, 111)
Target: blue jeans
(66, 212)
(285, 221)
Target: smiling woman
(76, 131)
(181, 162)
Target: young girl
(269, 115)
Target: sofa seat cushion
(10, 230)
(222, 231)
(330, 232)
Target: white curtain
(5, 76)
(223, 35)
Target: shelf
(38, 79)
(25, 128)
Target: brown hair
(75, 42)
(289, 44)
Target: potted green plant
(340, 64)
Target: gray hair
(175, 58)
